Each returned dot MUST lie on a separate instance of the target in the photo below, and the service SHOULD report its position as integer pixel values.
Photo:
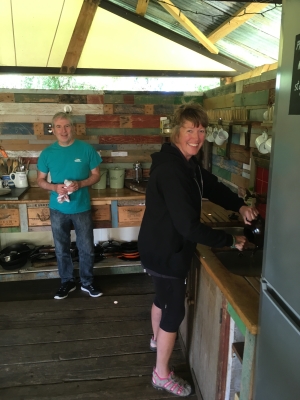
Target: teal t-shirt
(74, 163)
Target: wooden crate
(38, 216)
(130, 215)
(9, 217)
(101, 212)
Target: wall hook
(67, 109)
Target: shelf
(108, 266)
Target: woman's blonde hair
(193, 112)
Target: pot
(255, 232)
(15, 256)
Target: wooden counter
(38, 195)
(241, 292)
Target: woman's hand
(248, 213)
(241, 242)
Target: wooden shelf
(108, 266)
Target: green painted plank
(113, 99)
(221, 90)
(222, 173)
(236, 319)
(164, 109)
(73, 98)
(252, 99)
(248, 366)
(220, 151)
(154, 99)
(36, 98)
(122, 131)
(188, 99)
(14, 128)
(129, 109)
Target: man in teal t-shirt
(73, 166)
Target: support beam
(188, 25)
(80, 33)
(141, 7)
(255, 72)
(239, 18)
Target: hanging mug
(221, 137)
(260, 143)
(209, 135)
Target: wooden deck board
(79, 347)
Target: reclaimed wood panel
(240, 181)
(108, 108)
(38, 128)
(125, 121)
(145, 121)
(114, 98)
(252, 99)
(220, 102)
(101, 212)
(128, 109)
(72, 99)
(128, 98)
(130, 214)
(221, 90)
(254, 87)
(80, 129)
(105, 121)
(154, 99)
(135, 139)
(239, 153)
(164, 109)
(7, 98)
(11, 128)
(36, 98)
(149, 109)
(188, 99)
(48, 109)
(121, 131)
(38, 216)
(94, 99)
(9, 217)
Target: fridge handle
(287, 313)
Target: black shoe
(91, 290)
(64, 290)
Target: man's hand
(248, 213)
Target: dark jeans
(61, 225)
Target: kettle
(138, 172)
(255, 232)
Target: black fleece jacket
(171, 226)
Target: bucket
(102, 183)
(116, 178)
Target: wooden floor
(79, 347)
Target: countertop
(241, 292)
(38, 195)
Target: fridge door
(278, 351)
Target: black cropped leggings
(169, 297)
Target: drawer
(9, 217)
(38, 216)
(130, 215)
(101, 212)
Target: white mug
(260, 143)
(221, 137)
(209, 135)
(268, 145)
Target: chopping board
(15, 194)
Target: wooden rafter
(141, 7)
(239, 18)
(255, 72)
(79, 36)
(189, 26)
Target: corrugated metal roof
(253, 44)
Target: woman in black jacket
(171, 229)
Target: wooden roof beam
(255, 72)
(79, 36)
(141, 7)
(189, 26)
(239, 18)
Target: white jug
(19, 179)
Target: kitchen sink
(246, 263)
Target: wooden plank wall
(241, 103)
(112, 122)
